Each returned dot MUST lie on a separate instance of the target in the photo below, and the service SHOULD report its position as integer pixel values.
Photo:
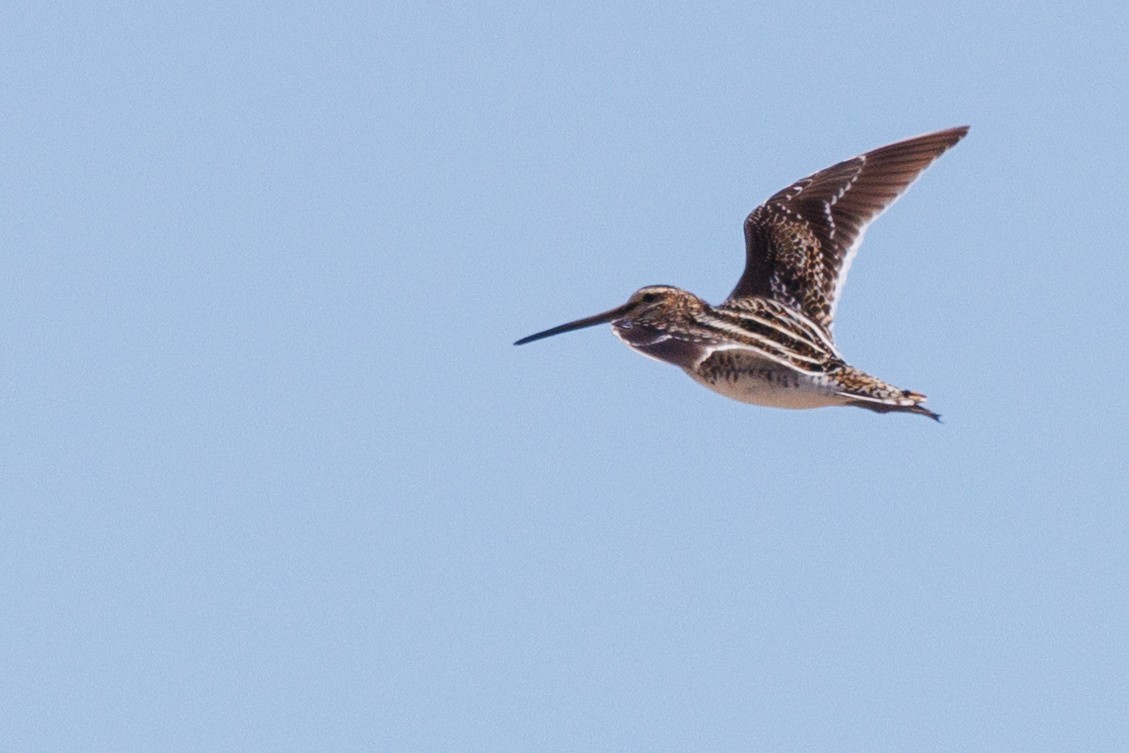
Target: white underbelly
(775, 388)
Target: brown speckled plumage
(800, 242)
(770, 342)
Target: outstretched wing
(800, 243)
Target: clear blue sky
(273, 476)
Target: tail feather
(885, 407)
(869, 392)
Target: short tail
(868, 392)
(913, 404)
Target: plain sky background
(273, 477)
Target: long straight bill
(591, 321)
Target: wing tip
(947, 136)
(957, 132)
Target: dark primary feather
(799, 243)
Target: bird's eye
(649, 297)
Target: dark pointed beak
(591, 321)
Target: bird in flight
(769, 343)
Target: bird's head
(653, 303)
